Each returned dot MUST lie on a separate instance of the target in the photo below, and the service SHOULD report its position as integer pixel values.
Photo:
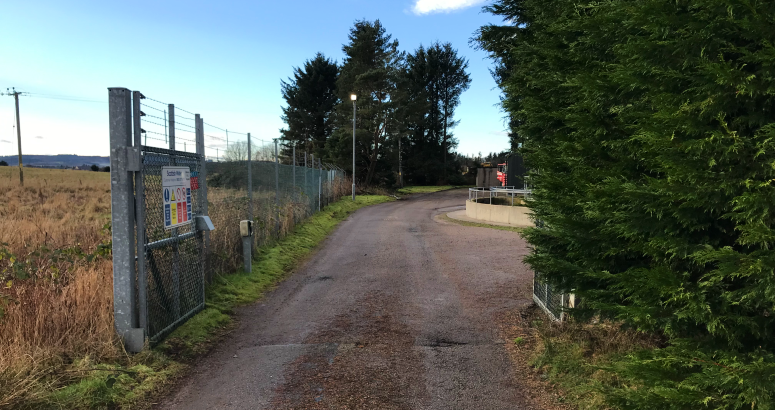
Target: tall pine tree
(453, 80)
(311, 97)
(432, 80)
(369, 70)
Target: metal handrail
(473, 193)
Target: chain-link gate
(163, 258)
(174, 262)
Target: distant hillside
(56, 160)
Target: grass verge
(446, 218)
(425, 189)
(575, 362)
(130, 383)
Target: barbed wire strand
(178, 108)
(152, 107)
(151, 99)
(176, 137)
(188, 118)
(182, 117)
(215, 126)
(213, 136)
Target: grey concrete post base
(134, 340)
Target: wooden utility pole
(15, 95)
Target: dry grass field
(56, 293)
(56, 298)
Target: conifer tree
(369, 70)
(453, 80)
(651, 125)
(433, 80)
(311, 97)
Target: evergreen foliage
(370, 71)
(311, 97)
(433, 80)
(651, 126)
(409, 98)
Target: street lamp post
(353, 97)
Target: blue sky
(223, 60)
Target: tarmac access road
(396, 310)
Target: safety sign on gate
(176, 192)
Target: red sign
(194, 182)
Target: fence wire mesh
(173, 258)
(282, 196)
(275, 190)
(548, 298)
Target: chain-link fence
(554, 302)
(173, 258)
(278, 192)
(546, 297)
(165, 247)
(282, 195)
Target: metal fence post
(305, 173)
(276, 174)
(320, 185)
(174, 232)
(202, 180)
(122, 217)
(311, 189)
(294, 172)
(250, 191)
(277, 186)
(142, 284)
(250, 180)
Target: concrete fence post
(123, 218)
(171, 109)
(320, 185)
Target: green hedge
(651, 126)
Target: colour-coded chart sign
(176, 192)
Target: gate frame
(128, 215)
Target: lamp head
(353, 97)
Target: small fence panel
(546, 297)
(174, 261)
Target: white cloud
(443, 6)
